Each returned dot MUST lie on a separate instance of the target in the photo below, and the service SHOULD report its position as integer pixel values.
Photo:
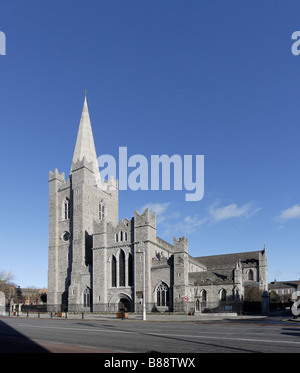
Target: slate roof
(220, 267)
(283, 284)
(228, 261)
(220, 277)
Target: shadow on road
(292, 331)
(12, 341)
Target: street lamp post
(141, 250)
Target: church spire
(85, 146)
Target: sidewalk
(149, 317)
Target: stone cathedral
(97, 263)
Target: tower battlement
(180, 244)
(146, 218)
(81, 163)
(55, 175)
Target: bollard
(82, 315)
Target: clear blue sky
(162, 77)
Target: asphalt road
(272, 335)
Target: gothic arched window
(122, 268)
(223, 295)
(250, 275)
(162, 294)
(67, 208)
(130, 270)
(101, 210)
(113, 271)
(87, 297)
(203, 295)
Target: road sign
(185, 299)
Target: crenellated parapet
(56, 181)
(79, 164)
(146, 218)
(110, 184)
(145, 226)
(180, 244)
(57, 176)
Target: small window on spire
(67, 208)
(101, 210)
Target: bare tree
(252, 294)
(6, 276)
(7, 286)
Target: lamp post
(141, 250)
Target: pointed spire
(85, 146)
(265, 249)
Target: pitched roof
(229, 260)
(220, 277)
(283, 284)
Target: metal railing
(105, 308)
(178, 307)
(59, 310)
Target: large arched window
(162, 294)
(113, 271)
(130, 270)
(87, 295)
(122, 268)
(67, 208)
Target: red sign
(185, 299)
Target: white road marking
(164, 334)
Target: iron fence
(178, 307)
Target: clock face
(66, 236)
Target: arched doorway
(124, 304)
(120, 301)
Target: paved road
(270, 335)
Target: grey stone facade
(93, 260)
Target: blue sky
(162, 77)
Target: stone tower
(181, 271)
(263, 270)
(74, 207)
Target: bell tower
(74, 207)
